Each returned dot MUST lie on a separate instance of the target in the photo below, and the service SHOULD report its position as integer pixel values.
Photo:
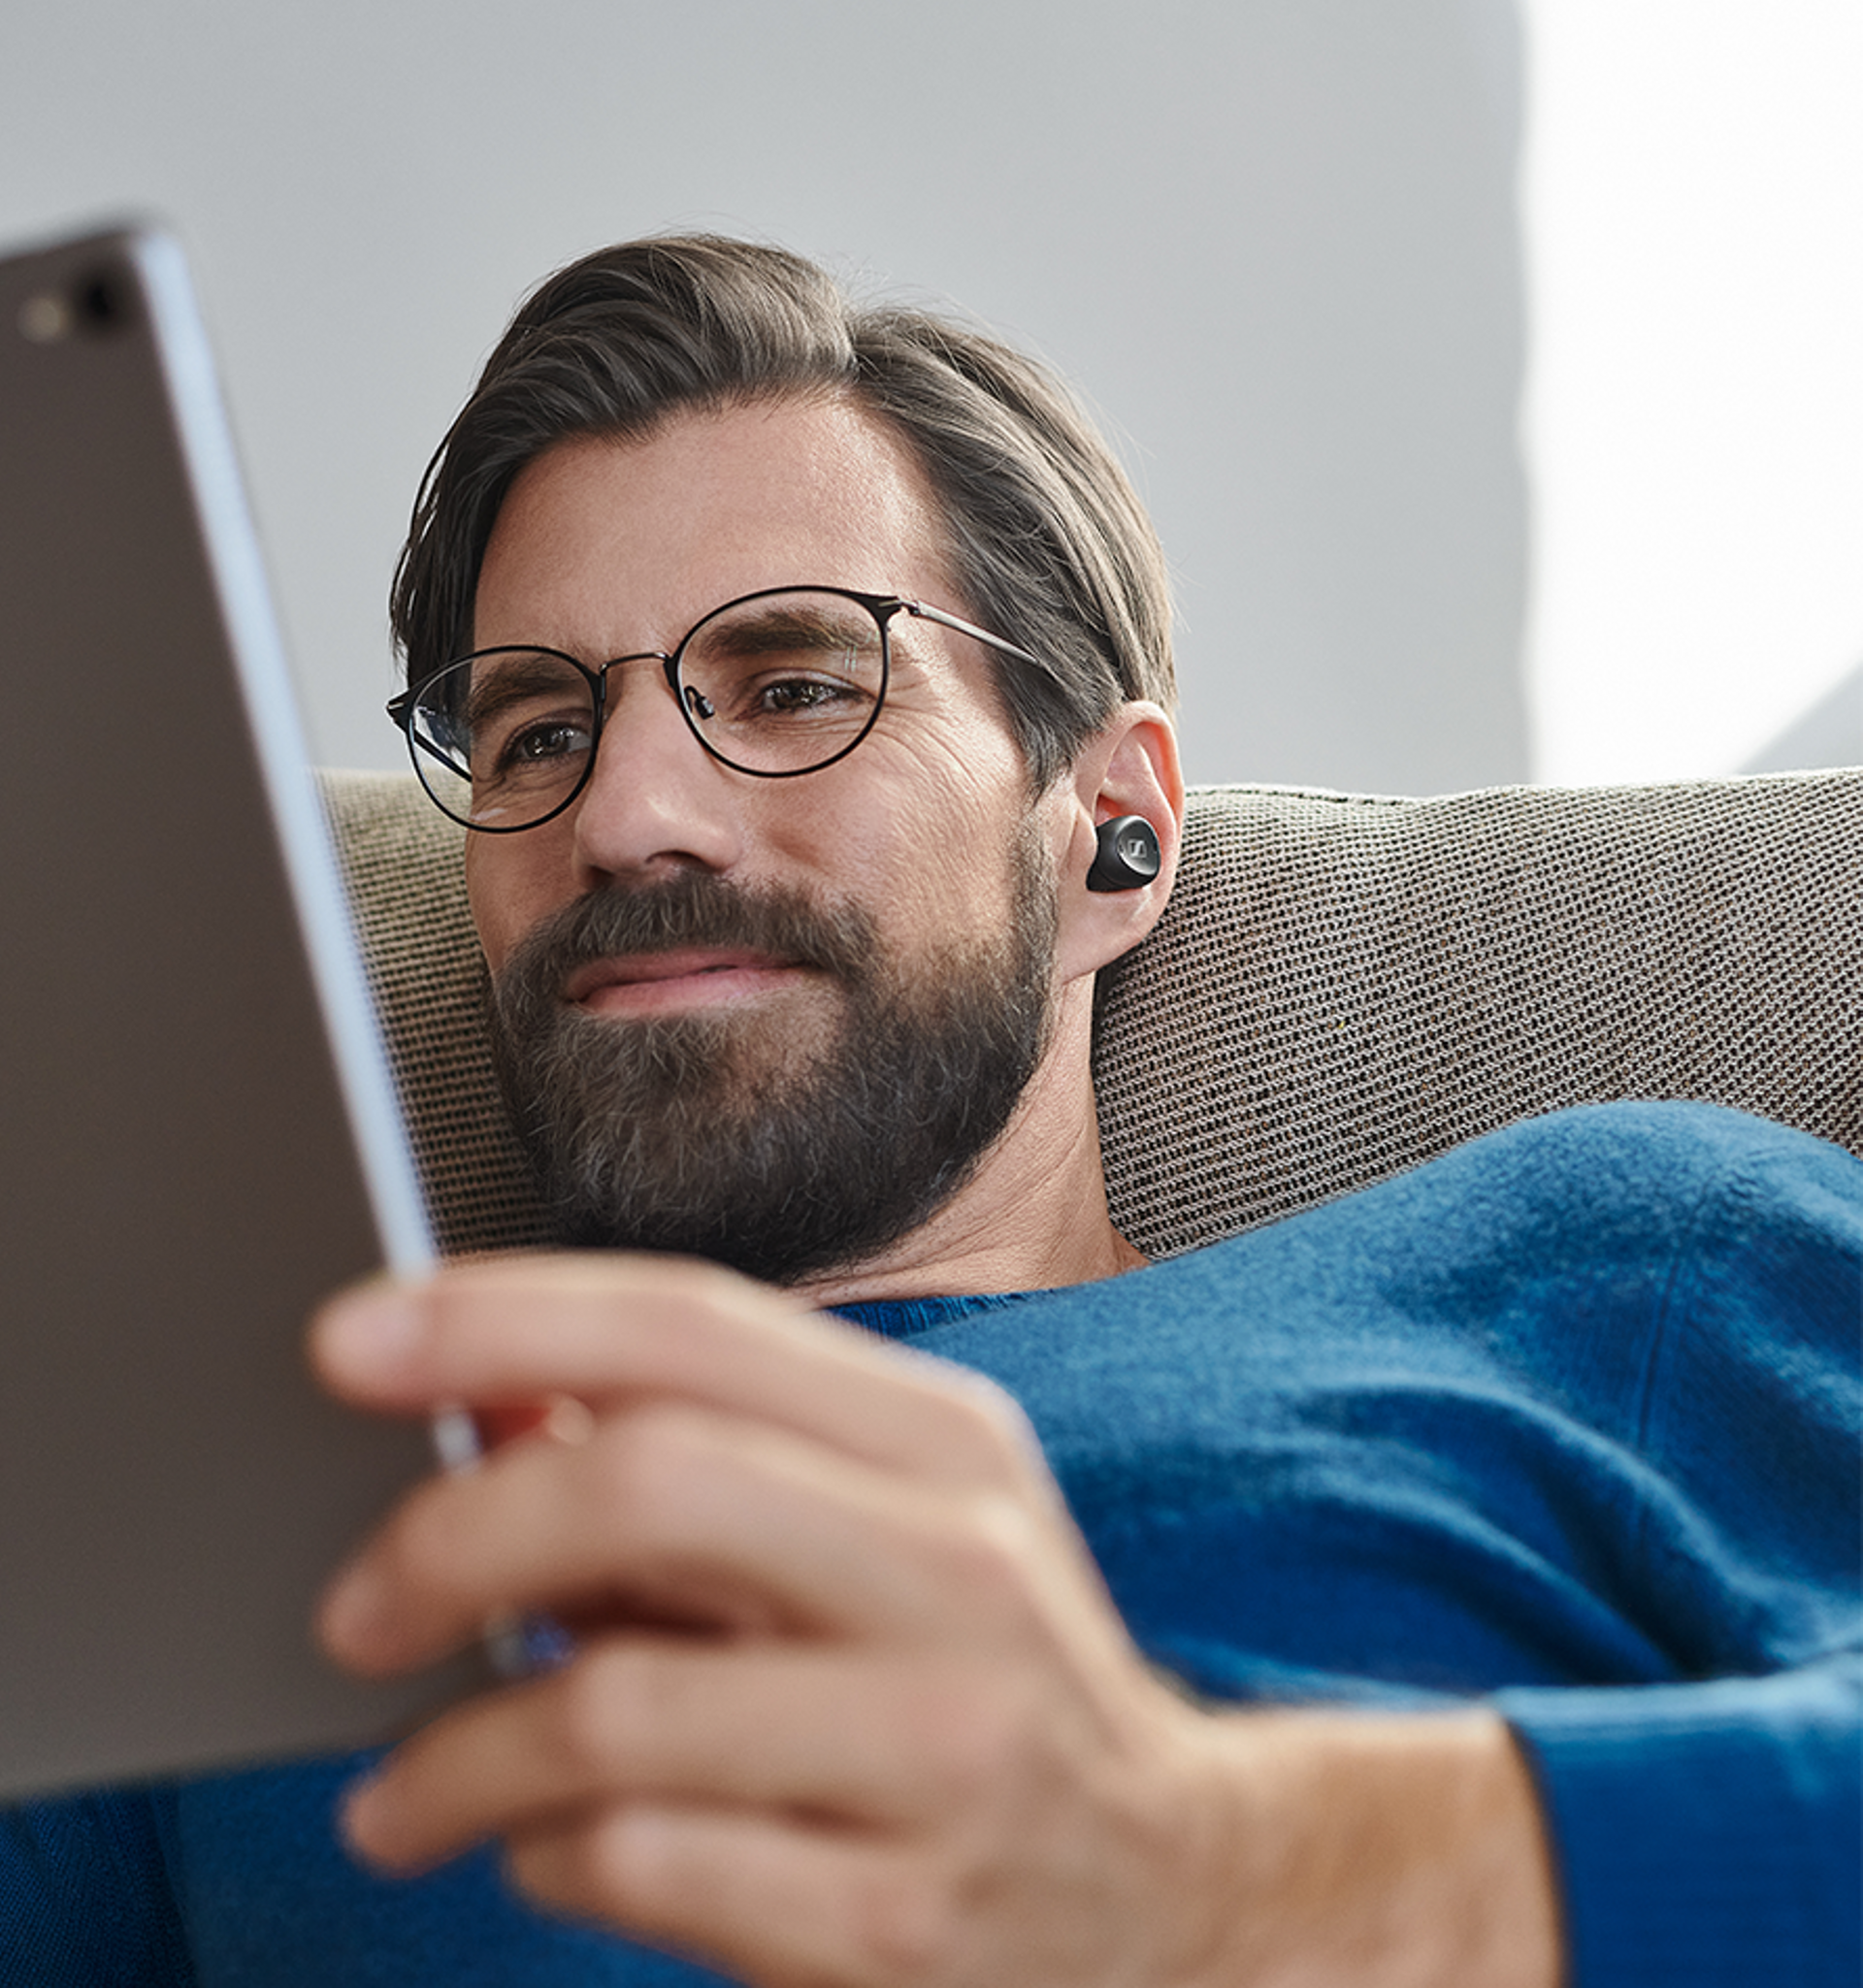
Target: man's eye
(538, 746)
(799, 696)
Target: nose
(656, 800)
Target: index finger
(607, 1329)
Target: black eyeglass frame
(882, 606)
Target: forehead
(616, 544)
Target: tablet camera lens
(100, 301)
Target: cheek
(937, 804)
(944, 864)
(508, 887)
(887, 844)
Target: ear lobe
(1128, 768)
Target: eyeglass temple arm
(401, 708)
(920, 611)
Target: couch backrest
(1343, 986)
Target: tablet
(198, 1134)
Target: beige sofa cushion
(1342, 986)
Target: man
(811, 671)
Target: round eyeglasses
(775, 683)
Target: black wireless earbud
(1127, 856)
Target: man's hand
(849, 1704)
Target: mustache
(691, 909)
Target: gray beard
(710, 1135)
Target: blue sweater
(1568, 1419)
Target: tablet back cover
(186, 1079)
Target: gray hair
(1048, 540)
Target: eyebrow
(510, 683)
(782, 628)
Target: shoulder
(1581, 1189)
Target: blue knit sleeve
(1707, 1833)
(1711, 1831)
(85, 1899)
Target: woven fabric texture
(1343, 986)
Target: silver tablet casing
(198, 1134)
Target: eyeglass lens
(780, 684)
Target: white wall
(1273, 239)
(1695, 419)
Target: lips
(687, 977)
(692, 944)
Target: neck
(1031, 1217)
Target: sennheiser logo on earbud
(1127, 858)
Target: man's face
(771, 1021)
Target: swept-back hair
(1048, 541)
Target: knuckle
(596, 1868)
(427, 1547)
(984, 1430)
(707, 1307)
(994, 1553)
(635, 1466)
(716, 1291)
(596, 1711)
(903, 1927)
(623, 1860)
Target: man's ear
(1128, 767)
